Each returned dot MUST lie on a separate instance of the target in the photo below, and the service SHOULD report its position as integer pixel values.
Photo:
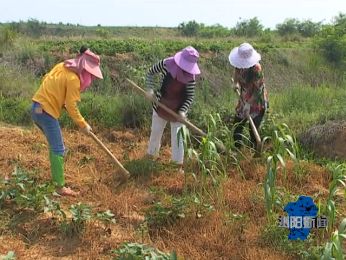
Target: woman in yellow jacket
(61, 87)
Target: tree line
(252, 28)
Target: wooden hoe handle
(115, 160)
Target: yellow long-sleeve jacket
(60, 87)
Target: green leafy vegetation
(136, 251)
(304, 64)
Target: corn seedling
(334, 248)
(338, 179)
(282, 144)
(209, 162)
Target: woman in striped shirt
(177, 92)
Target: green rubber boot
(57, 169)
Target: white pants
(157, 127)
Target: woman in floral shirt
(253, 100)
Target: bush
(332, 41)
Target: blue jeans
(50, 127)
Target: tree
(332, 41)
(35, 28)
(340, 24)
(189, 29)
(309, 28)
(248, 28)
(289, 26)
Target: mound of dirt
(327, 140)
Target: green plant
(81, 213)
(334, 248)
(338, 178)
(136, 251)
(142, 167)
(331, 41)
(166, 213)
(282, 143)
(208, 160)
(34, 197)
(9, 256)
(85, 160)
(54, 208)
(23, 189)
(189, 29)
(7, 37)
(143, 231)
(201, 207)
(106, 217)
(206, 155)
(15, 110)
(134, 112)
(237, 222)
(277, 238)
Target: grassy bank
(303, 87)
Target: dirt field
(89, 170)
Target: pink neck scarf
(176, 72)
(80, 65)
(85, 80)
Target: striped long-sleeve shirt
(161, 68)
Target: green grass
(277, 238)
(303, 106)
(300, 107)
(15, 110)
(111, 103)
(15, 81)
(119, 111)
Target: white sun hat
(244, 56)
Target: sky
(169, 13)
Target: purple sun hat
(187, 59)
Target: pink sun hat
(88, 61)
(244, 56)
(187, 59)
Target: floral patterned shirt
(252, 90)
